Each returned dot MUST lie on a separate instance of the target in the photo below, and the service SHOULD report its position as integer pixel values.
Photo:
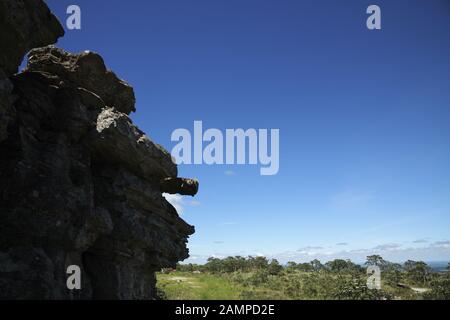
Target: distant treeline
(418, 271)
(336, 279)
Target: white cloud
(310, 250)
(391, 252)
(424, 240)
(438, 251)
(387, 246)
(176, 200)
(445, 244)
(179, 202)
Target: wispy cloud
(387, 246)
(390, 252)
(310, 248)
(349, 200)
(230, 173)
(445, 243)
(342, 244)
(437, 251)
(424, 240)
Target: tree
(375, 260)
(274, 268)
(230, 264)
(214, 265)
(291, 265)
(306, 267)
(417, 271)
(340, 265)
(258, 262)
(241, 263)
(316, 265)
(392, 273)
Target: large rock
(86, 70)
(25, 24)
(80, 184)
(117, 139)
(188, 187)
(7, 113)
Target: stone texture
(188, 187)
(25, 24)
(79, 182)
(7, 112)
(118, 140)
(86, 70)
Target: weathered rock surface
(19, 20)
(7, 112)
(79, 183)
(25, 25)
(86, 70)
(188, 187)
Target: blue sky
(363, 117)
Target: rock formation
(79, 183)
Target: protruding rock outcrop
(86, 70)
(80, 184)
(187, 187)
(25, 25)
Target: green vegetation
(191, 286)
(236, 278)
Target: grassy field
(258, 278)
(208, 286)
(204, 286)
(189, 286)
